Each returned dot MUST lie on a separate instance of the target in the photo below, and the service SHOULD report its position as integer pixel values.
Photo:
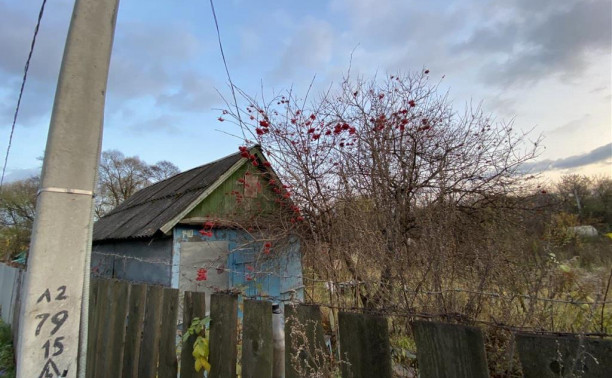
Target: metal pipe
(278, 337)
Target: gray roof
(149, 209)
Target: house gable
(159, 207)
(245, 192)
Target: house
(209, 228)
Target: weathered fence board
(103, 309)
(223, 335)
(149, 348)
(564, 356)
(116, 332)
(168, 365)
(364, 344)
(92, 330)
(303, 328)
(257, 344)
(194, 307)
(449, 350)
(10, 279)
(133, 331)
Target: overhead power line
(23, 81)
(229, 77)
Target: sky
(544, 65)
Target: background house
(205, 229)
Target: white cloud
(310, 47)
(197, 93)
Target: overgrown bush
(7, 354)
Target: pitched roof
(160, 206)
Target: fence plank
(116, 334)
(303, 321)
(168, 366)
(194, 306)
(133, 331)
(16, 319)
(545, 356)
(449, 350)
(93, 319)
(9, 292)
(364, 344)
(257, 344)
(149, 348)
(223, 335)
(103, 308)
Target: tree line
(119, 177)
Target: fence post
(149, 348)
(449, 350)
(364, 342)
(194, 306)
(103, 314)
(223, 335)
(115, 334)
(257, 345)
(131, 350)
(168, 365)
(93, 316)
(303, 328)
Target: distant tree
(574, 190)
(602, 198)
(163, 170)
(120, 177)
(17, 210)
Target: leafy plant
(7, 356)
(200, 345)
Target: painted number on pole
(48, 327)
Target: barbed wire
(254, 273)
(455, 317)
(23, 82)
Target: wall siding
(147, 261)
(277, 278)
(222, 204)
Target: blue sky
(545, 64)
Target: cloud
(16, 31)
(310, 47)
(598, 155)
(164, 123)
(140, 68)
(21, 174)
(196, 94)
(574, 126)
(539, 40)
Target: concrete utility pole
(51, 318)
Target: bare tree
(372, 161)
(574, 189)
(121, 176)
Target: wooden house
(206, 229)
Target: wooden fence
(11, 281)
(133, 333)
